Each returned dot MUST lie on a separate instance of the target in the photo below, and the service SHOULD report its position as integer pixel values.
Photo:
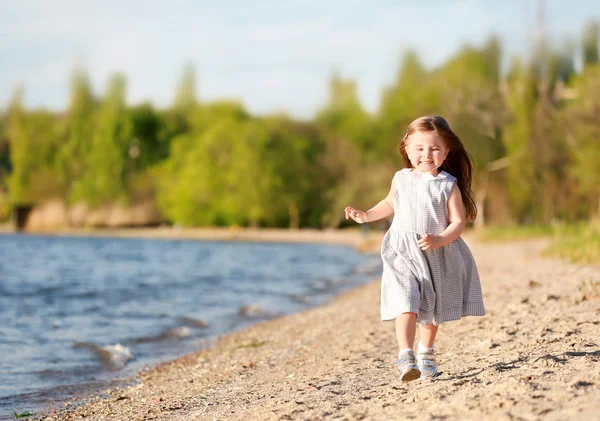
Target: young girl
(429, 274)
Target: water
(77, 313)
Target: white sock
(403, 351)
(423, 348)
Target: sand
(535, 356)
(353, 236)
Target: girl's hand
(430, 242)
(358, 215)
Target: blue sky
(271, 55)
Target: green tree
(193, 182)
(106, 160)
(561, 68)
(79, 128)
(582, 115)
(521, 99)
(535, 141)
(552, 181)
(5, 165)
(344, 115)
(185, 96)
(148, 146)
(178, 120)
(469, 88)
(293, 170)
(19, 147)
(591, 32)
(346, 181)
(409, 97)
(233, 169)
(33, 143)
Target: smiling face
(426, 151)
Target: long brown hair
(458, 162)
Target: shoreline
(347, 236)
(534, 356)
(351, 237)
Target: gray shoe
(426, 364)
(408, 367)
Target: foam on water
(115, 356)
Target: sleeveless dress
(439, 285)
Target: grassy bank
(578, 243)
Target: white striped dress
(439, 285)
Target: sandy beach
(535, 356)
(352, 236)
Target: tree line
(532, 130)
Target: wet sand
(535, 356)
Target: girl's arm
(458, 219)
(381, 210)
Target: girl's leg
(406, 328)
(427, 334)
(425, 353)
